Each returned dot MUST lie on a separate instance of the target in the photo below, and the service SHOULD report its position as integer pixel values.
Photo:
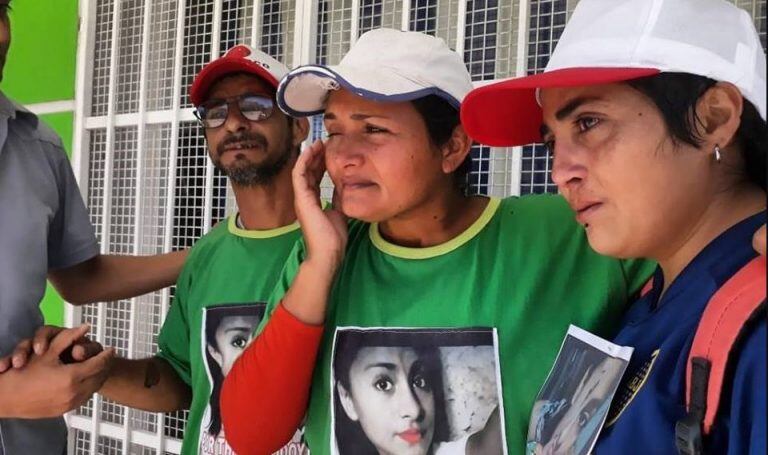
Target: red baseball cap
(507, 113)
(238, 59)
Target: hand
(758, 241)
(325, 231)
(82, 349)
(46, 387)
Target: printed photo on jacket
(573, 403)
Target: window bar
(305, 41)
(355, 23)
(215, 41)
(256, 25)
(305, 32)
(107, 199)
(406, 16)
(461, 20)
(80, 158)
(516, 153)
(138, 191)
(169, 202)
(85, 49)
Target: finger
(85, 350)
(5, 363)
(65, 339)
(93, 382)
(317, 163)
(43, 336)
(96, 365)
(304, 176)
(21, 353)
(299, 169)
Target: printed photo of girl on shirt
(416, 392)
(228, 331)
(574, 401)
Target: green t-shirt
(220, 299)
(428, 327)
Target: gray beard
(251, 174)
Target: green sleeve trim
(437, 250)
(257, 234)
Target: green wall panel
(41, 61)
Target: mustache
(254, 137)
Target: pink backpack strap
(728, 311)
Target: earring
(718, 157)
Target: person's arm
(265, 394)
(46, 386)
(147, 384)
(107, 277)
(75, 267)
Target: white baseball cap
(238, 59)
(609, 41)
(383, 65)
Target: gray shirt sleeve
(71, 238)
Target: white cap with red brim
(609, 41)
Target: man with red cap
(231, 271)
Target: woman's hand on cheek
(325, 231)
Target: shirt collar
(717, 262)
(10, 108)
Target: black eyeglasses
(213, 113)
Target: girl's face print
(233, 335)
(588, 402)
(391, 396)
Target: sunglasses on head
(213, 113)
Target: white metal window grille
(480, 56)
(236, 23)
(546, 24)
(129, 62)
(142, 162)
(370, 15)
(423, 16)
(756, 8)
(161, 51)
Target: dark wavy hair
(441, 118)
(349, 435)
(212, 322)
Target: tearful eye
(587, 123)
(371, 129)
